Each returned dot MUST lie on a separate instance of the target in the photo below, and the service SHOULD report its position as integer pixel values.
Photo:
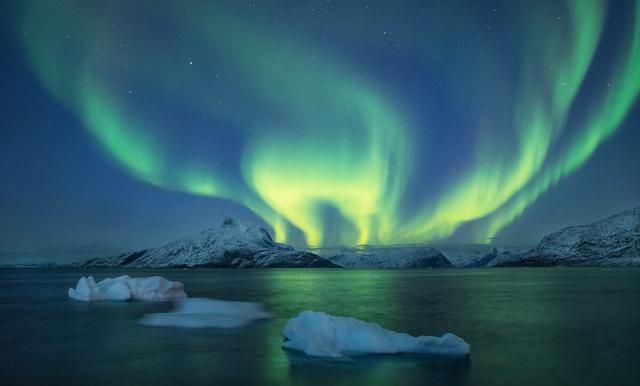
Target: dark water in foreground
(525, 326)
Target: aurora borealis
(343, 123)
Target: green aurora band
(356, 153)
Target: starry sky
(127, 124)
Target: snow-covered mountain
(231, 245)
(479, 255)
(614, 241)
(390, 257)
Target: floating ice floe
(154, 288)
(320, 334)
(202, 313)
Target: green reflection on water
(532, 326)
(363, 294)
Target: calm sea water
(525, 326)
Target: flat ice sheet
(212, 313)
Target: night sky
(126, 124)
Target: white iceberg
(154, 288)
(323, 335)
(201, 313)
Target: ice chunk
(154, 288)
(200, 312)
(320, 334)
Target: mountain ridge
(234, 244)
(612, 241)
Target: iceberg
(203, 313)
(323, 335)
(154, 288)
